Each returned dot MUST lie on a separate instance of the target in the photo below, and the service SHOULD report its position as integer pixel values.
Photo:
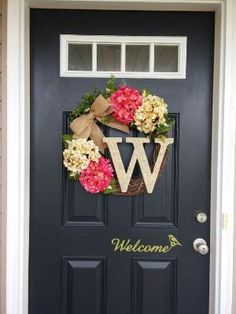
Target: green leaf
(112, 188)
(85, 105)
(163, 129)
(73, 176)
(110, 87)
(106, 120)
(145, 92)
(65, 138)
(87, 100)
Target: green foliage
(163, 129)
(65, 138)
(110, 87)
(145, 92)
(73, 176)
(112, 188)
(85, 104)
(106, 120)
(88, 99)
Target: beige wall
(2, 273)
(1, 144)
(234, 260)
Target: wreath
(123, 108)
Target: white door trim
(17, 131)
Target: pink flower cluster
(97, 176)
(124, 103)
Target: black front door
(75, 267)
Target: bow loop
(85, 125)
(101, 107)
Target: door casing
(16, 126)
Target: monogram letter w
(139, 155)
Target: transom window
(123, 56)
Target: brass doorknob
(200, 246)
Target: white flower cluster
(150, 114)
(79, 153)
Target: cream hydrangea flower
(79, 153)
(150, 114)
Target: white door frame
(17, 130)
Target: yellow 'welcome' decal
(130, 246)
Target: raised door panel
(154, 286)
(79, 207)
(160, 209)
(84, 286)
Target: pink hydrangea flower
(97, 176)
(124, 103)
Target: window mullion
(123, 56)
(94, 57)
(151, 57)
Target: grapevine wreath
(121, 107)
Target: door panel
(162, 213)
(84, 281)
(74, 267)
(149, 294)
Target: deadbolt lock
(201, 217)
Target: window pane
(80, 57)
(166, 59)
(137, 58)
(108, 57)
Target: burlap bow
(85, 126)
